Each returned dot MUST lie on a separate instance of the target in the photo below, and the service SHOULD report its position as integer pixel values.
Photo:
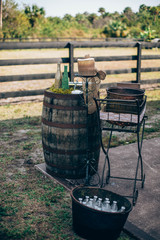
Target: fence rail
(71, 60)
(77, 44)
(69, 39)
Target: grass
(24, 110)
(32, 206)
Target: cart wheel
(143, 180)
(135, 196)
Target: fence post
(138, 77)
(71, 62)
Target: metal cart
(122, 116)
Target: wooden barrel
(64, 136)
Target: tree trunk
(0, 14)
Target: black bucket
(93, 224)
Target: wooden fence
(42, 39)
(71, 60)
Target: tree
(115, 29)
(34, 13)
(142, 8)
(128, 13)
(15, 23)
(102, 11)
(127, 10)
(0, 14)
(68, 17)
(9, 7)
(92, 17)
(54, 20)
(81, 19)
(155, 12)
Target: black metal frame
(129, 127)
(123, 127)
(88, 159)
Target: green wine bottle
(65, 82)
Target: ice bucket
(95, 224)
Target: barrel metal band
(63, 107)
(63, 125)
(62, 96)
(66, 125)
(68, 152)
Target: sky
(61, 7)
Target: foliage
(31, 22)
(67, 17)
(82, 19)
(60, 90)
(148, 34)
(15, 24)
(102, 11)
(115, 29)
(34, 13)
(92, 17)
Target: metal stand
(129, 127)
(89, 158)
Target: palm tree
(34, 13)
(115, 29)
(102, 11)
